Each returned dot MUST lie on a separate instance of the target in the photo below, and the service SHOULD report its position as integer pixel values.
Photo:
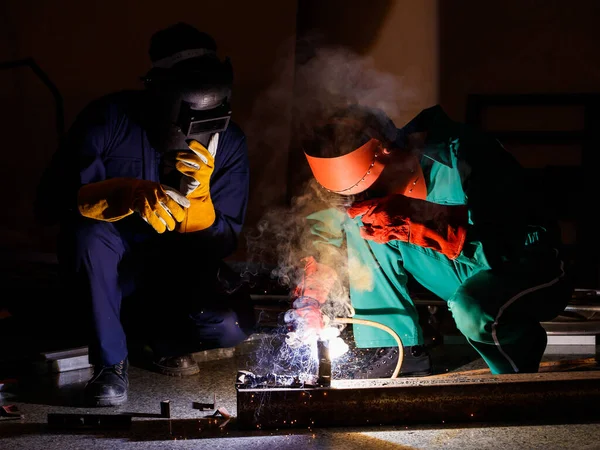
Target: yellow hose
(381, 327)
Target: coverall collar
(438, 126)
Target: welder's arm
(309, 295)
(229, 190)
(316, 282)
(442, 228)
(317, 278)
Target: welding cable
(381, 327)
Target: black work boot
(176, 366)
(416, 363)
(108, 386)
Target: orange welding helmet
(371, 138)
(353, 172)
(358, 170)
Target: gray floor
(191, 428)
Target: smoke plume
(325, 80)
(329, 78)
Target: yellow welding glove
(197, 167)
(114, 199)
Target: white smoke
(327, 80)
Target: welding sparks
(276, 363)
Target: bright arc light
(337, 346)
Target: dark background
(401, 55)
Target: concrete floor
(36, 396)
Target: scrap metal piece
(205, 406)
(562, 396)
(165, 409)
(222, 412)
(85, 421)
(324, 376)
(63, 361)
(10, 411)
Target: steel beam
(552, 396)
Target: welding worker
(150, 189)
(445, 204)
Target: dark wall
(523, 46)
(530, 47)
(98, 47)
(92, 48)
(382, 53)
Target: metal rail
(517, 398)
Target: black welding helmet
(190, 86)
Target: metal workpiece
(324, 373)
(203, 406)
(165, 409)
(247, 380)
(119, 420)
(88, 421)
(62, 361)
(436, 399)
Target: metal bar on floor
(552, 396)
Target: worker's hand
(111, 200)
(197, 167)
(162, 207)
(442, 228)
(384, 219)
(304, 320)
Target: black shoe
(108, 386)
(416, 363)
(176, 366)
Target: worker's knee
(230, 333)
(218, 329)
(470, 318)
(90, 238)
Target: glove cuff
(107, 200)
(199, 216)
(317, 280)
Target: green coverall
(508, 278)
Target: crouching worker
(150, 190)
(445, 204)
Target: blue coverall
(172, 278)
(508, 277)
